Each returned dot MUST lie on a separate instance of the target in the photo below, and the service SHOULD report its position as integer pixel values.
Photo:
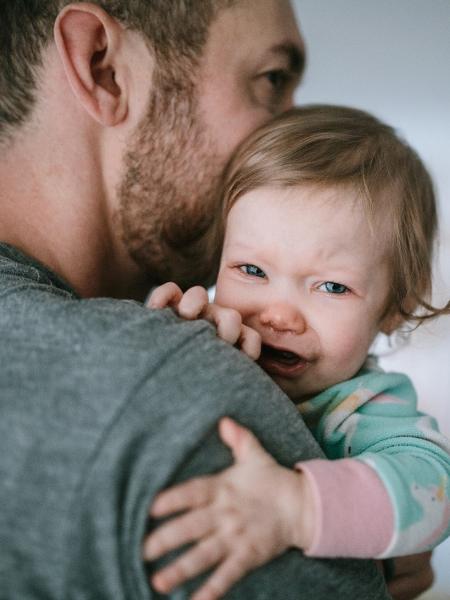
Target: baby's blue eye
(331, 287)
(252, 270)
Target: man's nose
(282, 316)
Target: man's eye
(273, 88)
(331, 287)
(252, 270)
(278, 79)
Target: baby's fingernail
(160, 583)
(156, 509)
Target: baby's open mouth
(285, 357)
(282, 362)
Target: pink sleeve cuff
(354, 515)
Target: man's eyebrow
(295, 54)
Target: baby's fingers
(192, 494)
(168, 294)
(250, 342)
(194, 303)
(178, 532)
(225, 576)
(198, 559)
(228, 322)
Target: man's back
(102, 401)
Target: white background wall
(392, 57)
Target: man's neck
(52, 207)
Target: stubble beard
(169, 198)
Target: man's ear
(88, 40)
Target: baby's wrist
(298, 505)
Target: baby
(330, 223)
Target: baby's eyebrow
(244, 246)
(240, 245)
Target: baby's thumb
(241, 441)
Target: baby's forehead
(373, 203)
(330, 225)
(330, 216)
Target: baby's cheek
(225, 296)
(231, 296)
(348, 351)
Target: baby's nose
(282, 316)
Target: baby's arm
(239, 519)
(255, 510)
(372, 425)
(194, 304)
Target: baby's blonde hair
(340, 146)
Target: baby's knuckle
(195, 492)
(229, 318)
(189, 528)
(235, 317)
(226, 494)
(256, 336)
(211, 591)
(172, 289)
(231, 524)
(178, 571)
(196, 293)
(218, 586)
(247, 547)
(202, 293)
(162, 540)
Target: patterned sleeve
(374, 419)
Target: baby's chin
(297, 391)
(305, 388)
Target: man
(115, 124)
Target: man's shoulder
(96, 346)
(41, 308)
(39, 315)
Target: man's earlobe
(88, 42)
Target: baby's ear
(391, 322)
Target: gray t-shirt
(103, 403)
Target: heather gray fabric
(102, 404)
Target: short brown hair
(335, 145)
(176, 29)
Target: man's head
(219, 69)
(177, 31)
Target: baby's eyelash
(334, 288)
(251, 270)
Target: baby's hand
(238, 519)
(189, 305)
(194, 304)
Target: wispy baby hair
(329, 145)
